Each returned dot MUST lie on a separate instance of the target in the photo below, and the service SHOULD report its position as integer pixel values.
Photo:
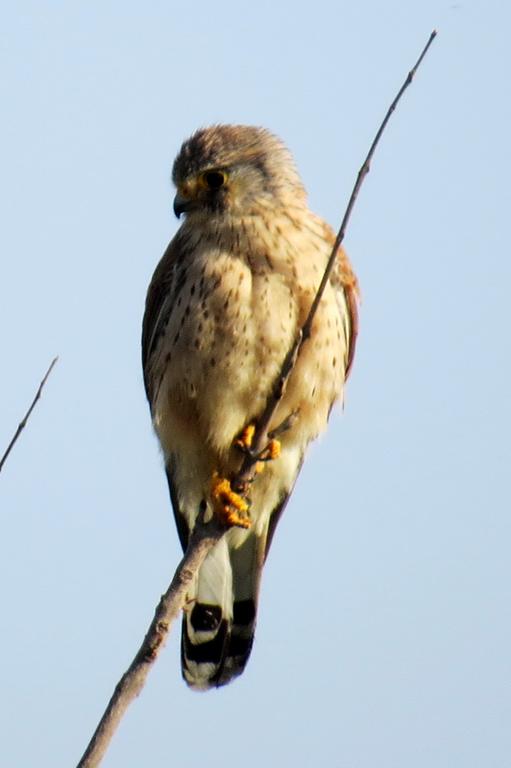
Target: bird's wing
(160, 295)
(157, 307)
(343, 278)
(182, 526)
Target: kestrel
(224, 306)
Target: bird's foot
(230, 507)
(245, 440)
(272, 451)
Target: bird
(224, 306)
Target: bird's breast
(235, 312)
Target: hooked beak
(182, 204)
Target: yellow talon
(271, 452)
(274, 449)
(230, 507)
(245, 439)
(223, 494)
(232, 518)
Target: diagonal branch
(206, 535)
(23, 422)
(203, 538)
(260, 440)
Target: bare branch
(206, 535)
(246, 474)
(23, 422)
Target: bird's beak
(182, 204)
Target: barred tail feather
(240, 641)
(218, 631)
(215, 662)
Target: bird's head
(236, 170)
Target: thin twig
(206, 535)
(247, 472)
(22, 424)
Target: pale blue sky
(384, 631)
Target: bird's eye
(214, 179)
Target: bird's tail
(219, 625)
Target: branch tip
(23, 422)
